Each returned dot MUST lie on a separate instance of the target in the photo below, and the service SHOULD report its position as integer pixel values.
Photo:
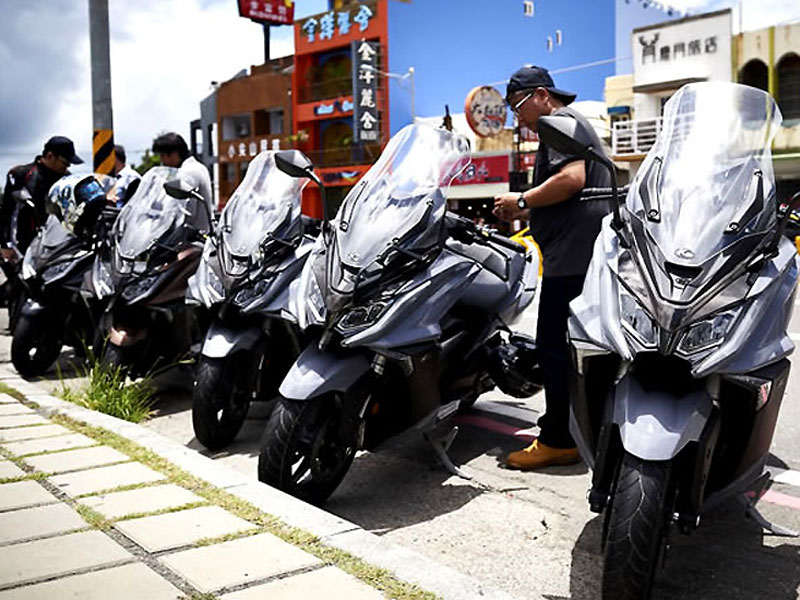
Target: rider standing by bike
(565, 228)
(18, 220)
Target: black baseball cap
(531, 77)
(63, 147)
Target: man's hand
(8, 254)
(507, 209)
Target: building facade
(254, 113)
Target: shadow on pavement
(729, 557)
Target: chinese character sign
(366, 118)
(485, 110)
(333, 23)
(273, 12)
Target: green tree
(148, 160)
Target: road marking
(496, 426)
(506, 410)
(787, 477)
(782, 499)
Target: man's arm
(561, 186)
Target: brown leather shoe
(539, 455)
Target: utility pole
(102, 117)
(266, 42)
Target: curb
(333, 531)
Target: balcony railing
(634, 137)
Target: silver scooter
(405, 305)
(259, 248)
(680, 335)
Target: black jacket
(37, 179)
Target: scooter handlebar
(466, 231)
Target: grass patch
(92, 517)
(108, 393)
(377, 577)
(14, 393)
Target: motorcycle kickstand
(778, 530)
(440, 446)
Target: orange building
(329, 53)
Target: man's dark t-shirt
(566, 231)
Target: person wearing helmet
(23, 205)
(565, 227)
(173, 152)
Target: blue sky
(164, 55)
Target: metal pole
(266, 42)
(102, 117)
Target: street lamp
(407, 76)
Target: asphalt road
(531, 534)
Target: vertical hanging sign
(366, 119)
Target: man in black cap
(18, 220)
(565, 228)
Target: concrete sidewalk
(79, 519)
(88, 514)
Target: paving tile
(246, 559)
(72, 460)
(23, 493)
(329, 583)
(9, 469)
(128, 582)
(172, 530)
(50, 444)
(6, 399)
(27, 523)
(58, 556)
(30, 433)
(149, 499)
(22, 420)
(15, 409)
(105, 478)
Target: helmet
(76, 200)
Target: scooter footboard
(656, 425)
(316, 372)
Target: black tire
(220, 399)
(637, 528)
(34, 346)
(302, 452)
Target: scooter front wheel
(305, 450)
(34, 346)
(637, 528)
(220, 399)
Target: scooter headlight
(709, 332)
(361, 316)
(139, 288)
(635, 319)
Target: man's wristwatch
(521, 202)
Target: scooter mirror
(178, 189)
(564, 134)
(296, 164)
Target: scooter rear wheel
(305, 451)
(34, 346)
(220, 399)
(637, 528)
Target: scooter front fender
(316, 372)
(655, 425)
(222, 341)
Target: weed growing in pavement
(14, 393)
(107, 392)
(377, 577)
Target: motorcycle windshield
(400, 201)
(265, 201)
(149, 214)
(708, 182)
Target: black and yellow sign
(103, 151)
